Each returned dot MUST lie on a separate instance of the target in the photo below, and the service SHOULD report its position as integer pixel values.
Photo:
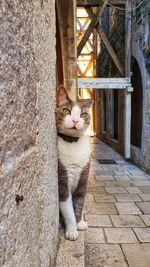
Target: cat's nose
(75, 122)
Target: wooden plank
(107, 44)
(127, 98)
(84, 3)
(127, 125)
(90, 3)
(92, 25)
(104, 83)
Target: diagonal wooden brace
(107, 43)
(92, 25)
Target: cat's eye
(83, 115)
(66, 111)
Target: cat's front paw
(82, 225)
(71, 235)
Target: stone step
(71, 253)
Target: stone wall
(140, 48)
(28, 135)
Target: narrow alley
(117, 210)
(98, 51)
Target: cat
(72, 120)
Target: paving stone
(95, 183)
(117, 183)
(121, 172)
(99, 208)
(71, 253)
(127, 221)
(96, 189)
(115, 189)
(146, 219)
(144, 206)
(145, 197)
(137, 172)
(127, 208)
(94, 235)
(138, 178)
(98, 220)
(104, 255)
(122, 177)
(143, 234)
(145, 189)
(137, 255)
(104, 177)
(110, 167)
(133, 190)
(120, 235)
(89, 197)
(104, 172)
(127, 197)
(140, 183)
(104, 198)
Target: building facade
(110, 104)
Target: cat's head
(72, 118)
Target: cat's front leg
(79, 198)
(66, 208)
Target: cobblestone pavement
(117, 210)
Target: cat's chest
(74, 154)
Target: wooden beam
(104, 83)
(92, 25)
(107, 44)
(90, 3)
(85, 3)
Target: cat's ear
(86, 103)
(89, 102)
(62, 95)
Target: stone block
(71, 253)
(98, 220)
(143, 234)
(146, 219)
(120, 235)
(133, 190)
(104, 178)
(96, 189)
(127, 221)
(99, 208)
(115, 189)
(94, 235)
(122, 177)
(140, 183)
(137, 255)
(127, 208)
(144, 206)
(145, 197)
(127, 197)
(138, 178)
(145, 189)
(117, 183)
(89, 197)
(104, 198)
(104, 255)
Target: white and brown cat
(72, 120)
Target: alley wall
(28, 135)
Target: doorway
(136, 105)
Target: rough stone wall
(140, 51)
(28, 135)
